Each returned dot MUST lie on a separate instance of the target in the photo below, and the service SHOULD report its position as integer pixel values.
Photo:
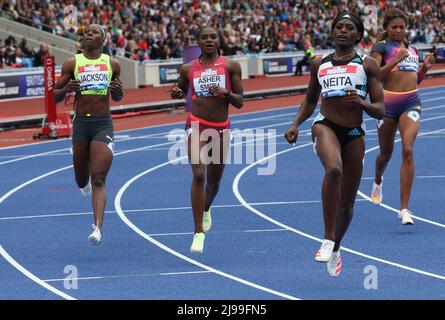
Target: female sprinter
(343, 78)
(215, 83)
(399, 67)
(92, 76)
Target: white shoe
(334, 264)
(198, 242)
(206, 221)
(86, 191)
(405, 216)
(325, 251)
(95, 236)
(377, 193)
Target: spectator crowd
(149, 29)
(19, 55)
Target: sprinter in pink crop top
(215, 83)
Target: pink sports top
(202, 78)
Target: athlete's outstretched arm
(116, 88)
(66, 82)
(308, 105)
(180, 89)
(376, 108)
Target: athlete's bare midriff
(400, 81)
(215, 109)
(92, 104)
(341, 113)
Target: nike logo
(218, 64)
(111, 139)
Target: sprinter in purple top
(400, 73)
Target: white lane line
(10, 259)
(130, 276)
(266, 230)
(31, 276)
(423, 91)
(128, 138)
(416, 177)
(213, 232)
(235, 188)
(262, 215)
(120, 212)
(5, 196)
(124, 218)
(33, 156)
(58, 150)
(429, 177)
(71, 214)
(13, 156)
(364, 196)
(159, 135)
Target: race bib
(336, 79)
(203, 80)
(93, 77)
(410, 63)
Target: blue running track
(266, 228)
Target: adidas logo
(354, 132)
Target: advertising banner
(169, 73)
(279, 66)
(24, 84)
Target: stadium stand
(151, 30)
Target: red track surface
(148, 94)
(35, 106)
